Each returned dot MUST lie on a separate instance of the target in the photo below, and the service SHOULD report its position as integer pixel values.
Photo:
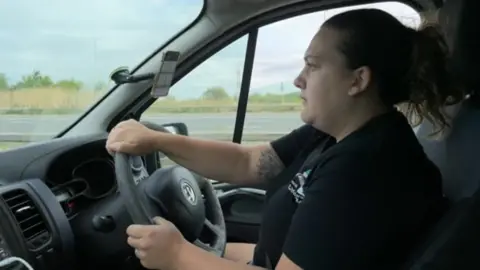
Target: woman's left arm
(194, 258)
(162, 246)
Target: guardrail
(250, 136)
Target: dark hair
(409, 66)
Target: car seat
(454, 243)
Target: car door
(244, 93)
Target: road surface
(196, 123)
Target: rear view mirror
(177, 128)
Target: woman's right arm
(223, 161)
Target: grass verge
(9, 145)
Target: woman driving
(352, 188)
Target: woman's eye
(310, 66)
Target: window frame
(245, 86)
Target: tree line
(38, 80)
(220, 94)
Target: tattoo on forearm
(269, 165)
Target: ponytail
(430, 82)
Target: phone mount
(122, 75)
(162, 80)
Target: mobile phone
(163, 79)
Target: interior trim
(225, 194)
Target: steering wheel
(174, 193)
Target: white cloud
(224, 69)
(85, 39)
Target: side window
(206, 98)
(274, 102)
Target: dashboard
(59, 206)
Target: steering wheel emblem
(188, 192)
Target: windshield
(56, 56)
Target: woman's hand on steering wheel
(156, 246)
(187, 200)
(131, 137)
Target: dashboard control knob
(103, 223)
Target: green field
(7, 145)
(60, 101)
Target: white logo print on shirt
(296, 186)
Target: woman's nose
(299, 82)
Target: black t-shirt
(362, 203)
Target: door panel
(242, 210)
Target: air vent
(28, 217)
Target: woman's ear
(362, 78)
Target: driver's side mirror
(177, 128)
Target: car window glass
(56, 56)
(206, 98)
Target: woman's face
(325, 81)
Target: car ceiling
(226, 14)
(250, 8)
(223, 15)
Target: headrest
(460, 20)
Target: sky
(87, 39)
